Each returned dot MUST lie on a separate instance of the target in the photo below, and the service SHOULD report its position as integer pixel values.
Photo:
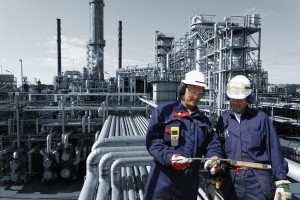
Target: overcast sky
(28, 31)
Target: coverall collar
(179, 108)
(248, 111)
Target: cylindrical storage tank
(164, 91)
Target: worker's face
(192, 95)
(238, 105)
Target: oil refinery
(85, 127)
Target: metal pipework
(115, 172)
(92, 172)
(49, 141)
(120, 141)
(104, 166)
(29, 153)
(294, 169)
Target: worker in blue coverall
(178, 131)
(250, 136)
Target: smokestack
(58, 48)
(120, 44)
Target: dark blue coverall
(196, 138)
(254, 139)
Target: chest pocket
(176, 122)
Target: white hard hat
(194, 78)
(238, 87)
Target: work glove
(179, 162)
(282, 190)
(213, 165)
(211, 189)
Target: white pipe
(294, 169)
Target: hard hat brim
(239, 96)
(194, 83)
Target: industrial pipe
(92, 172)
(115, 171)
(104, 166)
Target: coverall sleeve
(214, 147)
(154, 139)
(279, 165)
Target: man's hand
(282, 190)
(180, 162)
(213, 165)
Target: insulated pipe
(8, 149)
(83, 122)
(150, 103)
(134, 127)
(139, 185)
(143, 177)
(89, 121)
(29, 153)
(120, 141)
(104, 166)
(123, 182)
(91, 179)
(49, 141)
(78, 155)
(292, 146)
(115, 172)
(117, 133)
(105, 128)
(130, 183)
(97, 135)
(294, 169)
(56, 154)
(66, 139)
(112, 127)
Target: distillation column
(96, 43)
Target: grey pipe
(294, 169)
(291, 145)
(120, 141)
(112, 127)
(138, 182)
(49, 141)
(78, 155)
(123, 182)
(97, 135)
(9, 149)
(89, 121)
(66, 139)
(105, 128)
(56, 154)
(130, 183)
(104, 166)
(115, 172)
(92, 172)
(29, 153)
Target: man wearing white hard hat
(178, 131)
(249, 136)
